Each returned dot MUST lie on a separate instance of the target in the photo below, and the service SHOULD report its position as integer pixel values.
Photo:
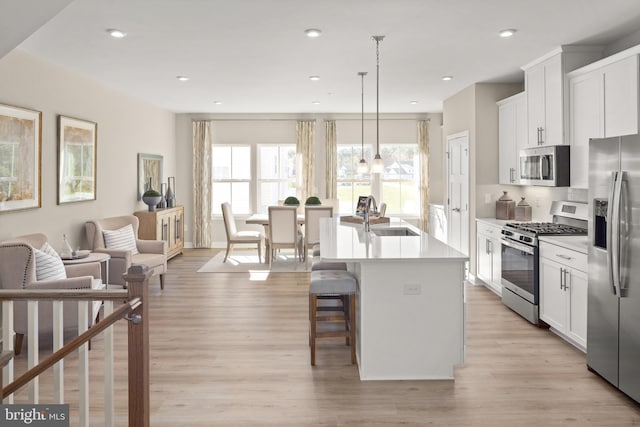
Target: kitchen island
(410, 302)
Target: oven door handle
(518, 246)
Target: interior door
(458, 191)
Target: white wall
(280, 128)
(126, 127)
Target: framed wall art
(20, 158)
(149, 168)
(77, 159)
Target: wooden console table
(163, 224)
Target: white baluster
(7, 344)
(33, 348)
(83, 366)
(58, 342)
(108, 369)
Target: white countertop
(576, 243)
(350, 243)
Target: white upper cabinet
(603, 102)
(585, 121)
(546, 87)
(512, 136)
(621, 97)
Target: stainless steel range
(520, 266)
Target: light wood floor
(230, 351)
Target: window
(9, 152)
(350, 183)
(276, 174)
(400, 181)
(231, 173)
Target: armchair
(152, 253)
(18, 271)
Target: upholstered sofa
(152, 253)
(18, 271)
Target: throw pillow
(49, 267)
(122, 238)
(48, 249)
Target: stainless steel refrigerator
(613, 334)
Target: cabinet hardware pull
(561, 279)
(566, 273)
(564, 257)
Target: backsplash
(539, 198)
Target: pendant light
(377, 166)
(363, 167)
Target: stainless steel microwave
(547, 166)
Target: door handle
(562, 279)
(486, 247)
(456, 209)
(566, 274)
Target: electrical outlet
(412, 289)
(487, 198)
(537, 202)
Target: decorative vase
(170, 195)
(151, 201)
(163, 201)
(523, 211)
(505, 207)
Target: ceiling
(253, 55)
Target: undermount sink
(399, 231)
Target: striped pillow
(48, 249)
(122, 238)
(49, 267)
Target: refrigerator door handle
(623, 247)
(611, 202)
(615, 233)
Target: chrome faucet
(367, 211)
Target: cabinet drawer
(488, 229)
(568, 257)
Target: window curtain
(423, 148)
(305, 133)
(202, 183)
(331, 156)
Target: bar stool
(332, 284)
(320, 265)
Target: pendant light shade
(363, 167)
(377, 165)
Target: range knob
(526, 239)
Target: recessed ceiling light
(314, 78)
(507, 33)
(413, 102)
(315, 102)
(313, 32)
(182, 78)
(116, 33)
(447, 78)
(217, 102)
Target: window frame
(231, 181)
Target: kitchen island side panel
(411, 319)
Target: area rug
(246, 263)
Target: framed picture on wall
(77, 159)
(20, 158)
(149, 168)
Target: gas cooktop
(546, 228)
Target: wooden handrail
(64, 294)
(52, 359)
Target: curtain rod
(255, 120)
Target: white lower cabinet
(488, 252)
(563, 292)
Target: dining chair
(283, 230)
(312, 215)
(234, 236)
